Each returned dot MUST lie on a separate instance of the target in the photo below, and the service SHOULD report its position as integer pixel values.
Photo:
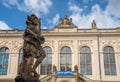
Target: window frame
(67, 66)
(84, 63)
(108, 63)
(46, 66)
(5, 54)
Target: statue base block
(34, 80)
(19, 79)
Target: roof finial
(93, 24)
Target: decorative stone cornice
(66, 31)
(69, 34)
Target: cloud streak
(102, 18)
(33, 6)
(54, 21)
(36, 6)
(113, 8)
(107, 18)
(4, 26)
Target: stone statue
(32, 49)
(70, 21)
(93, 24)
(65, 21)
(76, 68)
(54, 68)
(61, 21)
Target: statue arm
(35, 35)
(32, 32)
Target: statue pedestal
(19, 79)
(34, 80)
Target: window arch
(65, 59)
(85, 61)
(109, 60)
(4, 57)
(46, 65)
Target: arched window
(20, 59)
(65, 59)
(4, 56)
(46, 65)
(85, 61)
(109, 61)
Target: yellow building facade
(87, 55)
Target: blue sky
(106, 13)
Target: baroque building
(73, 55)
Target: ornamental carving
(3, 43)
(48, 43)
(112, 43)
(64, 42)
(13, 45)
(108, 42)
(16, 45)
(118, 46)
(85, 42)
(65, 21)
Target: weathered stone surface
(32, 49)
(7, 80)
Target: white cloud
(10, 3)
(36, 6)
(51, 22)
(113, 8)
(75, 8)
(4, 26)
(33, 6)
(56, 19)
(102, 18)
(44, 27)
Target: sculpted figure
(70, 21)
(61, 21)
(65, 20)
(76, 68)
(54, 68)
(32, 48)
(93, 24)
